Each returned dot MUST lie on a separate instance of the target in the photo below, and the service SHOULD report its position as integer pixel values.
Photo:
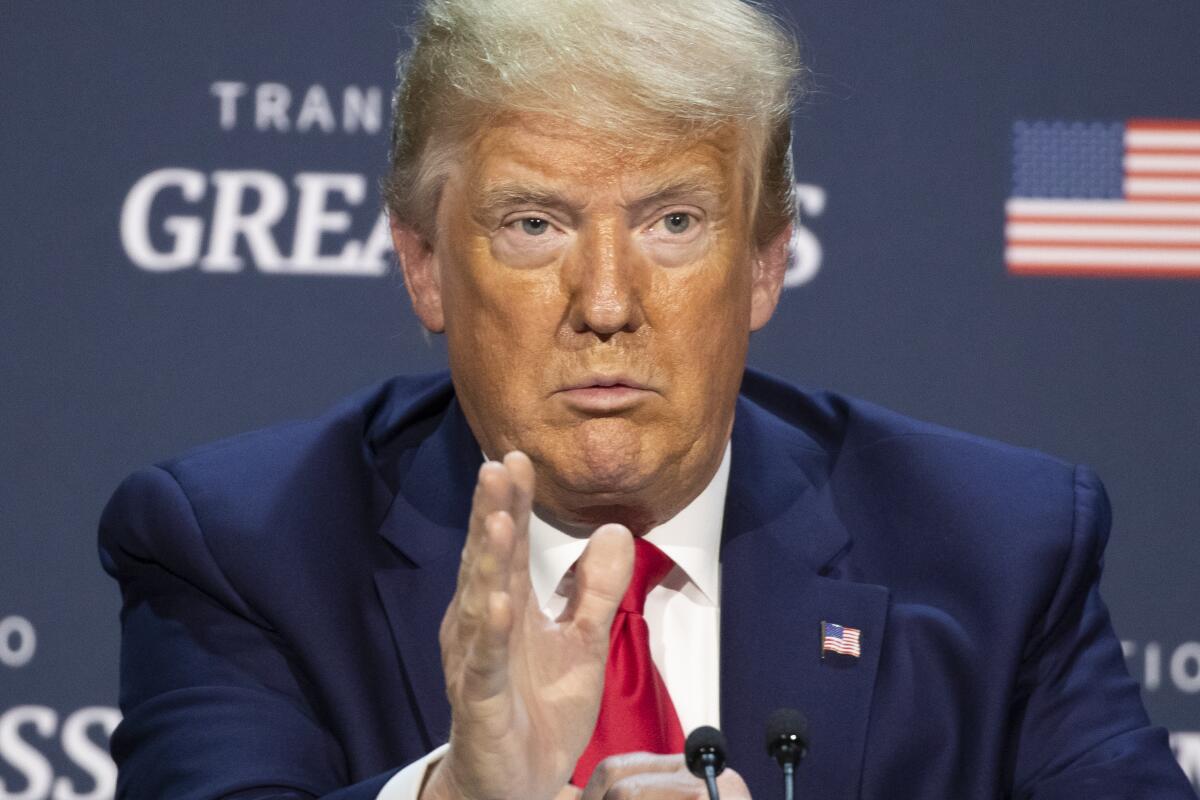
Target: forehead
(562, 154)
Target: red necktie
(636, 712)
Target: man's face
(597, 308)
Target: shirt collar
(691, 538)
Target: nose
(603, 280)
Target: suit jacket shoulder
(936, 494)
(275, 497)
(250, 609)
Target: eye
(677, 222)
(534, 226)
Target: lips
(605, 394)
(606, 382)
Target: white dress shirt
(683, 612)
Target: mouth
(605, 394)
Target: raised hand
(524, 690)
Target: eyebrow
(682, 189)
(499, 196)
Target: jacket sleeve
(1079, 729)
(213, 704)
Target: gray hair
(634, 70)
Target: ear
(422, 276)
(770, 264)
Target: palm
(558, 683)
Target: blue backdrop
(191, 248)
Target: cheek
(704, 307)
(505, 318)
(486, 296)
(703, 324)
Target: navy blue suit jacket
(283, 591)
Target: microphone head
(705, 746)
(787, 735)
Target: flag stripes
(1152, 230)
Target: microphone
(787, 743)
(704, 752)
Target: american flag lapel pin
(840, 639)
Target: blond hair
(637, 71)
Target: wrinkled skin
(597, 306)
(601, 283)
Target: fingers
(483, 607)
(731, 786)
(626, 766)
(485, 672)
(646, 776)
(502, 488)
(487, 555)
(601, 576)
(520, 473)
(493, 492)
(658, 786)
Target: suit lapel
(782, 539)
(426, 523)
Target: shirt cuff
(406, 784)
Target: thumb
(601, 577)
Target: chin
(605, 459)
(603, 476)
(606, 469)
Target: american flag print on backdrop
(1105, 199)
(840, 639)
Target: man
(591, 199)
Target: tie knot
(650, 566)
